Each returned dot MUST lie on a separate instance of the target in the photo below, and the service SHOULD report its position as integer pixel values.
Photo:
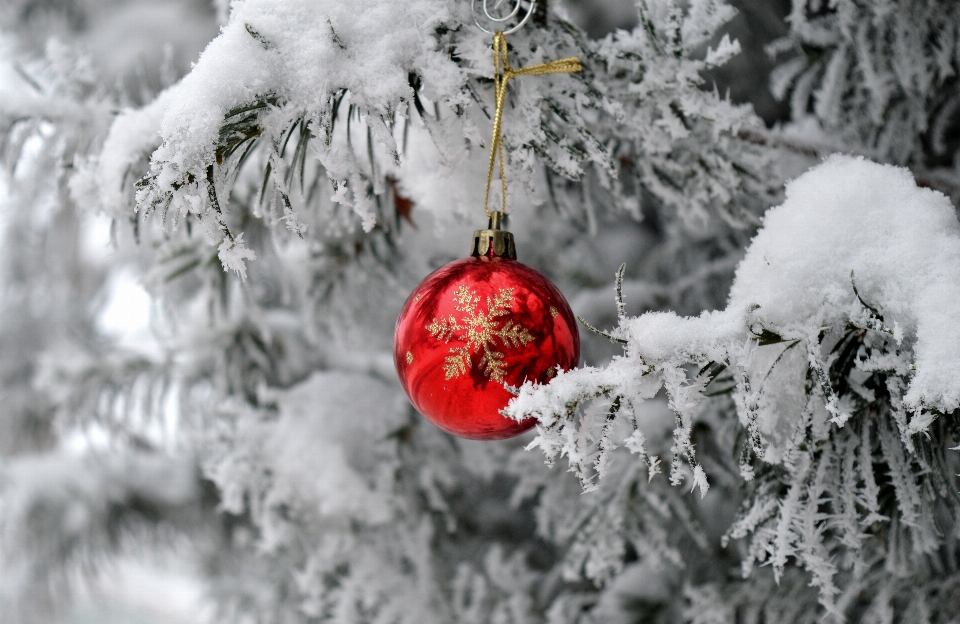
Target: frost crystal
(232, 254)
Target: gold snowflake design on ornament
(480, 330)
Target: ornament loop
(500, 79)
(498, 19)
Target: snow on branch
(843, 312)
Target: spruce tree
(750, 209)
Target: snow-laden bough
(856, 246)
(837, 346)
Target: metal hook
(500, 20)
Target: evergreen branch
(865, 304)
(604, 445)
(17, 67)
(789, 346)
(333, 34)
(540, 13)
(260, 103)
(266, 178)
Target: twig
(601, 332)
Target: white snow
(271, 49)
(232, 254)
(369, 49)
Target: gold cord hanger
(500, 79)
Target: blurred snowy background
(133, 48)
(77, 274)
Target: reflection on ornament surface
(473, 326)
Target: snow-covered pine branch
(635, 119)
(840, 334)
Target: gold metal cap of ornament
(494, 242)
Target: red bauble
(474, 325)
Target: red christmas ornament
(476, 324)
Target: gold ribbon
(500, 79)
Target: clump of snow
(846, 306)
(298, 55)
(851, 222)
(270, 48)
(100, 181)
(847, 224)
